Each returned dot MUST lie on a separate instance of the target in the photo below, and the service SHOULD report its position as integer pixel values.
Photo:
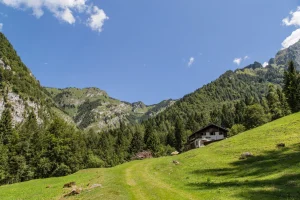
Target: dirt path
(145, 185)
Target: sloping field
(212, 172)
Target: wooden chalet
(206, 135)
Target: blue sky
(145, 50)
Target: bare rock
(246, 155)
(68, 185)
(176, 162)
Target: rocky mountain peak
(288, 54)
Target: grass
(213, 172)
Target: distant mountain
(93, 108)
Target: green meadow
(212, 172)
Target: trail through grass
(213, 172)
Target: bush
(94, 162)
(61, 170)
(236, 129)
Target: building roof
(208, 126)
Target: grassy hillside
(213, 172)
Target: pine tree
(137, 142)
(292, 87)
(171, 140)
(153, 142)
(6, 129)
(274, 103)
(283, 101)
(179, 135)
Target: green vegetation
(213, 172)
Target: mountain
(288, 54)
(94, 108)
(212, 172)
(21, 91)
(217, 101)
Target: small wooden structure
(206, 135)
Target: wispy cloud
(1, 27)
(292, 20)
(237, 61)
(64, 10)
(191, 61)
(265, 64)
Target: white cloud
(1, 27)
(265, 64)
(191, 61)
(292, 39)
(66, 16)
(97, 18)
(294, 20)
(238, 61)
(63, 10)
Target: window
(220, 133)
(212, 133)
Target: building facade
(206, 135)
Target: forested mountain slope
(218, 101)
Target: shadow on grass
(250, 176)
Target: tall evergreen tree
(6, 129)
(137, 142)
(153, 142)
(283, 101)
(292, 87)
(274, 103)
(179, 135)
